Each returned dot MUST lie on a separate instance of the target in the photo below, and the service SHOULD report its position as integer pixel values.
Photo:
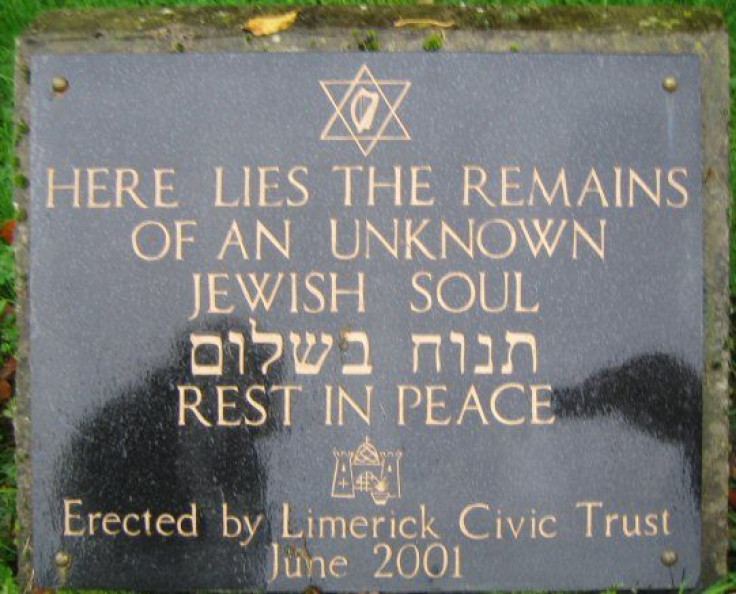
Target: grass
(434, 42)
(15, 15)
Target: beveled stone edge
(642, 20)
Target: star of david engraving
(365, 110)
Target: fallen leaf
(7, 231)
(6, 390)
(424, 23)
(270, 24)
(732, 498)
(7, 372)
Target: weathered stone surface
(655, 31)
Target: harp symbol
(363, 109)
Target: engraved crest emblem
(365, 110)
(367, 470)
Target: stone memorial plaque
(398, 322)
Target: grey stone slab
(692, 43)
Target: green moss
(434, 42)
(367, 42)
(510, 16)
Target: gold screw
(62, 559)
(669, 557)
(59, 84)
(670, 84)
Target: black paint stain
(130, 455)
(657, 394)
